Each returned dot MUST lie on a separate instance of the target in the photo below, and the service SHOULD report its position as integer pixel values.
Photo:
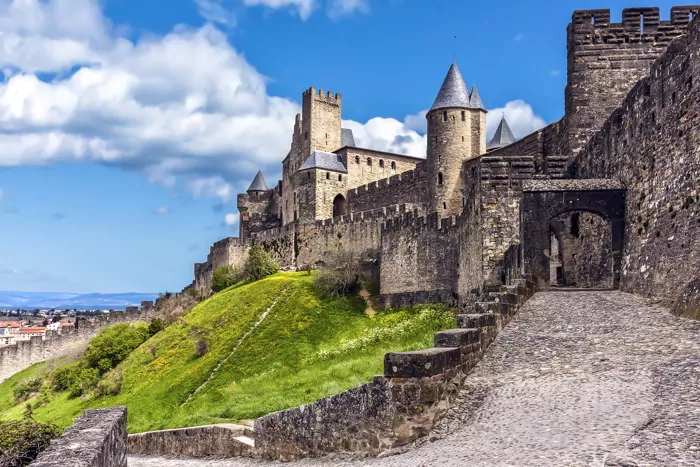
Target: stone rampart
(395, 409)
(96, 439)
(652, 144)
(406, 188)
(23, 354)
(420, 260)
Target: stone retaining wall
(405, 403)
(201, 441)
(96, 439)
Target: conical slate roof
(475, 100)
(453, 92)
(258, 183)
(503, 136)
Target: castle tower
(258, 186)
(503, 136)
(456, 133)
(320, 122)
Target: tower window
(381, 163)
(357, 159)
(328, 175)
(464, 115)
(340, 178)
(444, 116)
(393, 165)
(462, 138)
(369, 161)
(309, 175)
(436, 139)
(440, 178)
(444, 205)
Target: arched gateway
(544, 202)
(339, 206)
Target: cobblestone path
(576, 379)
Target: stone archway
(545, 200)
(339, 206)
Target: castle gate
(551, 210)
(339, 206)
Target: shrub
(339, 275)
(201, 348)
(22, 441)
(259, 264)
(63, 377)
(114, 344)
(155, 326)
(110, 385)
(224, 277)
(26, 389)
(84, 382)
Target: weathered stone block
(457, 337)
(420, 363)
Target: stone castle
(607, 196)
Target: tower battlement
(322, 95)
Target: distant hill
(45, 300)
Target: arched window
(339, 206)
(440, 178)
(381, 163)
(357, 159)
(393, 165)
(464, 115)
(369, 161)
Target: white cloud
(231, 219)
(340, 8)
(215, 12)
(161, 211)
(303, 7)
(519, 37)
(222, 11)
(184, 108)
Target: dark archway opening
(339, 206)
(580, 253)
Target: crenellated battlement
(412, 221)
(321, 95)
(642, 24)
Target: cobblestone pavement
(576, 379)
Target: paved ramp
(576, 379)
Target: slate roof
(503, 136)
(346, 138)
(324, 160)
(475, 100)
(453, 92)
(258, 183)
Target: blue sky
(126, 127)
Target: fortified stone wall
(259, 212)
(406, 188)
(604, 58)
(23, 354)
(419, 260)
(366, 165)
(231, 251)
(652, 144)
(471, 244)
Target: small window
(309, 175)
(673, 97)
(340, 178)
(444, 205)
(464, 115)
(306, 135)
(393, 165)
(381, 163)
(357, 159)
(436, 139)
(444, 116)
(369, 161)
(328, 175)
(462, 138)
(440, 178)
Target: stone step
(476, 320)
(421, 363)
(457, 337)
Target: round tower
(456, 133)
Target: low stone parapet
(225, 440)
(96, 439)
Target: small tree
(156, 325)
(224, 277)
(201, 348)
(259, 264)
(339, 275)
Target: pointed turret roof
(258, 183)
(453, 92)
(475, 100)
(503, 136)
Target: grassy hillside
(272, 344)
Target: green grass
(306, 348)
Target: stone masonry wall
(23, 354)
(605, 58)
(406, 188)
(471, 241)
(366, 166)
(231, 251)
(419, 260)
(96, 439)
(652, 144)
